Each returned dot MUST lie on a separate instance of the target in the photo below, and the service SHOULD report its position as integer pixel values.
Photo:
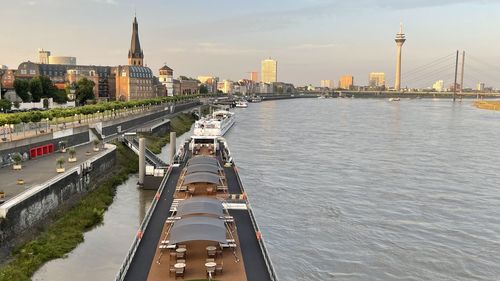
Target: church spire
(135, 54)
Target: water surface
(359, 189)
(348, 189)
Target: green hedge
(37, 116)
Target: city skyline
(307, 47)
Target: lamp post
(72, 91)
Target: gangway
(130, 140)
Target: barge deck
(159, 254)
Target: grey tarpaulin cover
(198, 229)
(200, 205)
(202, 177)
(195, 168)
(202, 160)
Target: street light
(72, 91)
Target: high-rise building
(438, 86)
(376, 80)
(269, 73)
(43, 56)
(167, 79)
(400, 40)
(480, 87)
(135, 54)
(326, 84)
(346, 82)
(254, 76)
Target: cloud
(399, 4)
(109, 2)
(208, 44)
(310, 46)
(210, 48)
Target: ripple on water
(371, 190)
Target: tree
(22, 88)
(84, 90)
(36, 116)
(5, 105)
(48, 88)
(36, 89)
(17, 158)
(60, 96)
(203, 89)
(60, 161)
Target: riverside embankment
(83, 193)
(68, 225)
(179, 124)
(100, 256)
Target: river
(348, 189)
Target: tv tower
(400, 40)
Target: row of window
(141, 88)
(25, 72)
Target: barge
(200, 225)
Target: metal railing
(150, 156)
(263, 248)
(120, 276)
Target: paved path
(39, 170)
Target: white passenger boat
(256, 99)
(394, 99)
(241, 103)
(215, 125)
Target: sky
(311, 39)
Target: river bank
(66, 231)
(490, 105)
(179, 124)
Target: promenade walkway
(24, 131)
(40, 170)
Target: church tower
(135, 54)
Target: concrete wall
(161, 130)
(29, 209)
(111, 127)
(74, 136)
(81, 135)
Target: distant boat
(216, 125)
(394, 99)
(256, 99)
(241, 103)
